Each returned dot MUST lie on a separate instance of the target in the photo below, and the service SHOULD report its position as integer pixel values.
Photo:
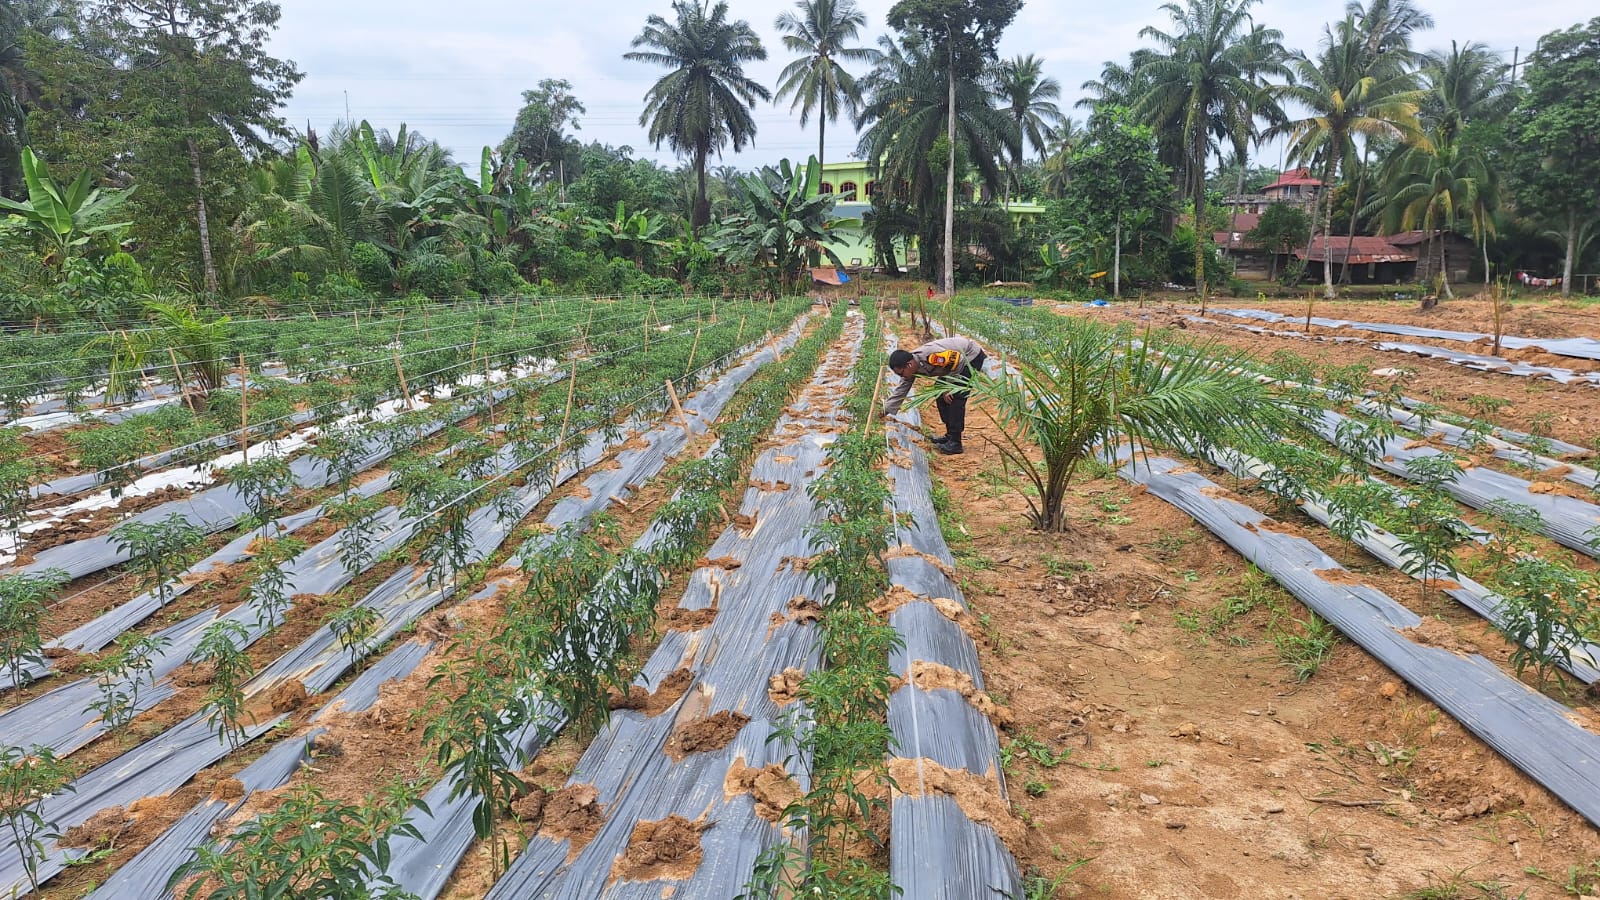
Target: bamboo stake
(244, 409)
(572, 389)
(872, 415)
(740, 336)
(183, 389)
(401, 371)
(682, 416)
(692, 350)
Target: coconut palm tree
(704, 103)
(1022, 91)
(818, 81)
(1265, 46)
(1467, 84)
(1203, 84)
(1345, 95)
(1062, 139)
(906, 113)
(1436, 184)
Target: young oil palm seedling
(1091, 386)
(175, 332)
(22, 603)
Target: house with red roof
(1294, 186)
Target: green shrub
(496, 276)
(372, 267)
(434, 274)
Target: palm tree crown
(704, 103)
(1347, 92)
(817, 80)
(1203, 87)
(1023, 91)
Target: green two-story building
(855, 186)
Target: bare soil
(1567, 412)
(1195, 765)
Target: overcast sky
(456, 70)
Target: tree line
(143, 151)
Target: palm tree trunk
(1444, 273)
(950, 184)
(1116, 262)
(1327, 227)
(1485, 245)
(1572, 251)
(201, 220)
(1197, 176)
(702, 207)
(822, 131)
(1355, 213)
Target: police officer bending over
(955, 358)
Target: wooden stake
(572, 389)
(488, 391)
(692, 350)
(183, 389)
(740, 336)
(244, 409)
(872, 410)
(682, 416)
(401, 371)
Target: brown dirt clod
(771, 787)
(654, 703)
(573, 814)
(666, 849)
(784, 687)
(704, 735)
(288, 697)
(100, 830)
(931, 676)
(977, 796)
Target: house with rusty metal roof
(1371, 260)
(1431, 247)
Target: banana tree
(630, 235)
(63, 218)
(780, 222)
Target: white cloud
(456, 71)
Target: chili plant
(1547, 611)
(261, 484)
(354, 627)
(27, 777)
(1428, 527)
(356, 516)
(17, 471)
(222, 647)
(309, 846)
(438, 502)
(160, 550)
(23, 600)
(123, 676)
(269, 589)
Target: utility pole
(1516, 54)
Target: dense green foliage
(120, 191)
